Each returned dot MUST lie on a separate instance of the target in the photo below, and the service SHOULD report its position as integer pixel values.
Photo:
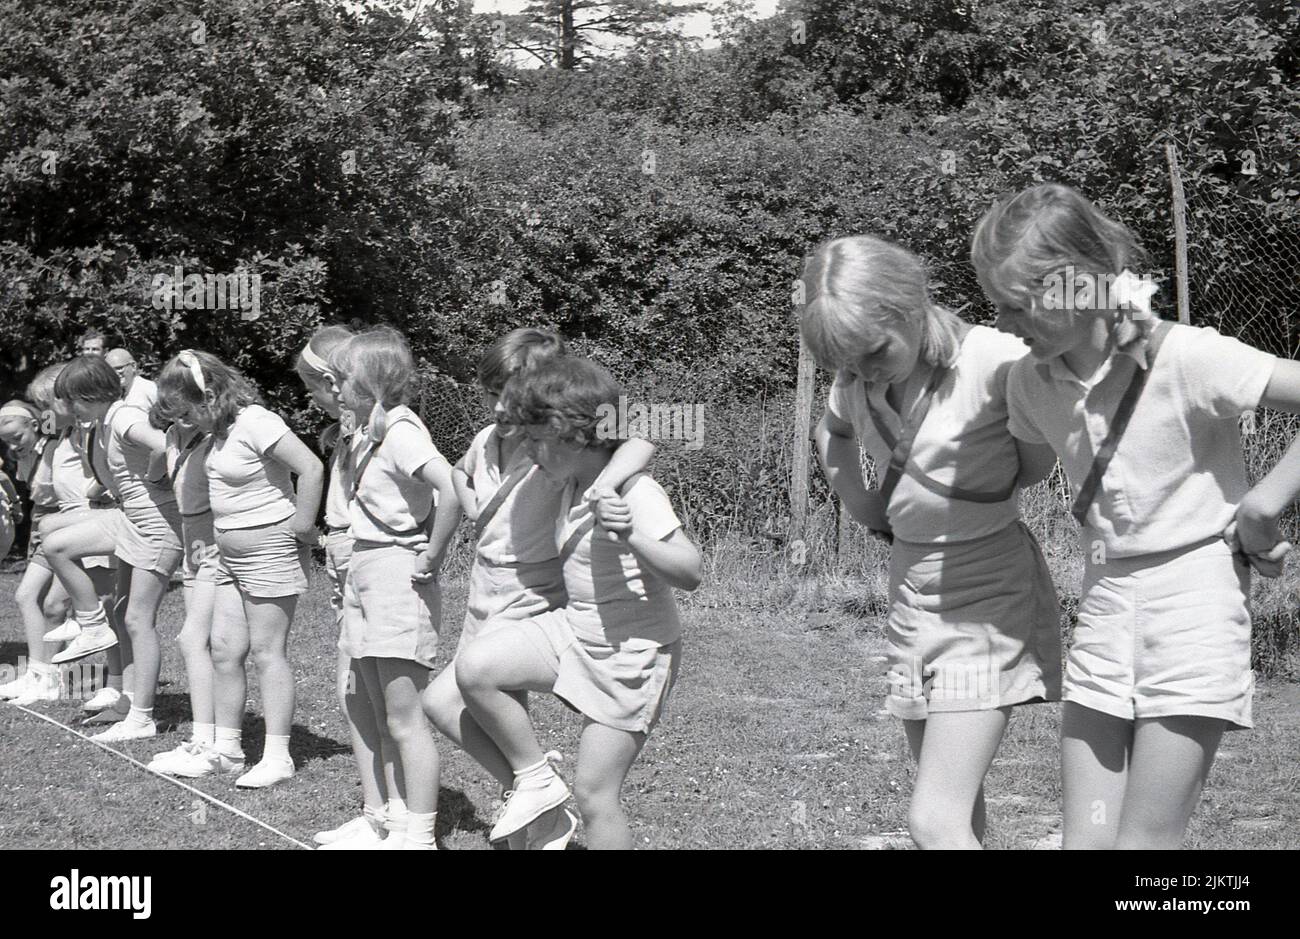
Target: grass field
(774, 738)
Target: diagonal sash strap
(499, 498)
(1119, 423)
(902, 448)
(361, 504)
(186, 452)
(571, 544)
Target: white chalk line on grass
(175, 782)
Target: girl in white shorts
(391, 603)
(1144, 417)
(187, 449)
(262, 529)
(143, 533)
(613, 651)
(516, 572)
(973, 624)
(382, 808)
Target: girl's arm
(144, 434)
(1037, 461)
(446, 518)
(1257, 517)
(675, 559)
(837, 448)
(292, 453)
(631, 457)
(463, 483)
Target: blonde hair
(1048, 230)
(11, 418)
(321, 344)
(379, 363)
(855, 285)
(41, 388)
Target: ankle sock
(276, 747)
(227, 742)
(205, 734)
(535, 776)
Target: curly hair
(570, 395)
(193, 381)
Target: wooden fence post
(1180, 233)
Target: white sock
(419, 829)
(227, 742)
(395, 813)
(276, 748)
(139, 716)
(204, 734)
(43, 670)
(535, 776)
(375, 816)
(92, 619)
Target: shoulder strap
(1119, 423)
(186, 452)
(361, 504)
(499, 497)
(902, 448)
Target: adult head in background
(136, 389)
(91, 342)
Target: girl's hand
(426, 569)
(1267, 563)
(613, 514)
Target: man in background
(136, 389)
(91, 342)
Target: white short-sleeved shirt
(963, 442)
(1179, 472)
(129, 464)
(343, 462)
(39, 470)
(185, 468)
(143, 393)
(523, 529)
(247, 488)
(389, 486)
(610, 597)
(71, 475)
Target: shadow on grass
(11, 652)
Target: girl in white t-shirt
(1144, 417)
(143, 532)
(262, 529)
(403, 514)
(973, 623)
(382, 808)
(612, 652)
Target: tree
(567, 33)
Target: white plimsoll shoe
(161, 761)
(361, 839)
(127, 730)
(554, 836)
(525, 805)
(102, 700)
(266, 773)
(88, 642)
(203, 761)
(40, 690)
(346, 830)
(16, 688)
(65, 632)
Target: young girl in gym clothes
(143, 533)
(262, 529)
(516, 572)
(187, 448)
(973, 624)
(612, 653)
(340, 440)
(1144, 417)
(400, 531)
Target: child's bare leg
(366, 734)
(65, 548)
(486, 672)
(1171, 759)
(605, 754)
(953, 751)
(268, 632)
(147, 589)
(195, 644)
(39, 596)
(229, 650)
(1095, 750)
(445, 706)
(403, 682)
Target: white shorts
(509, 593)
(385, 615)
(1164, 635)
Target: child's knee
(404, 726)
(473, 672)
(227, 652)
(138, 624)
(931, 827)
(595, 797)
